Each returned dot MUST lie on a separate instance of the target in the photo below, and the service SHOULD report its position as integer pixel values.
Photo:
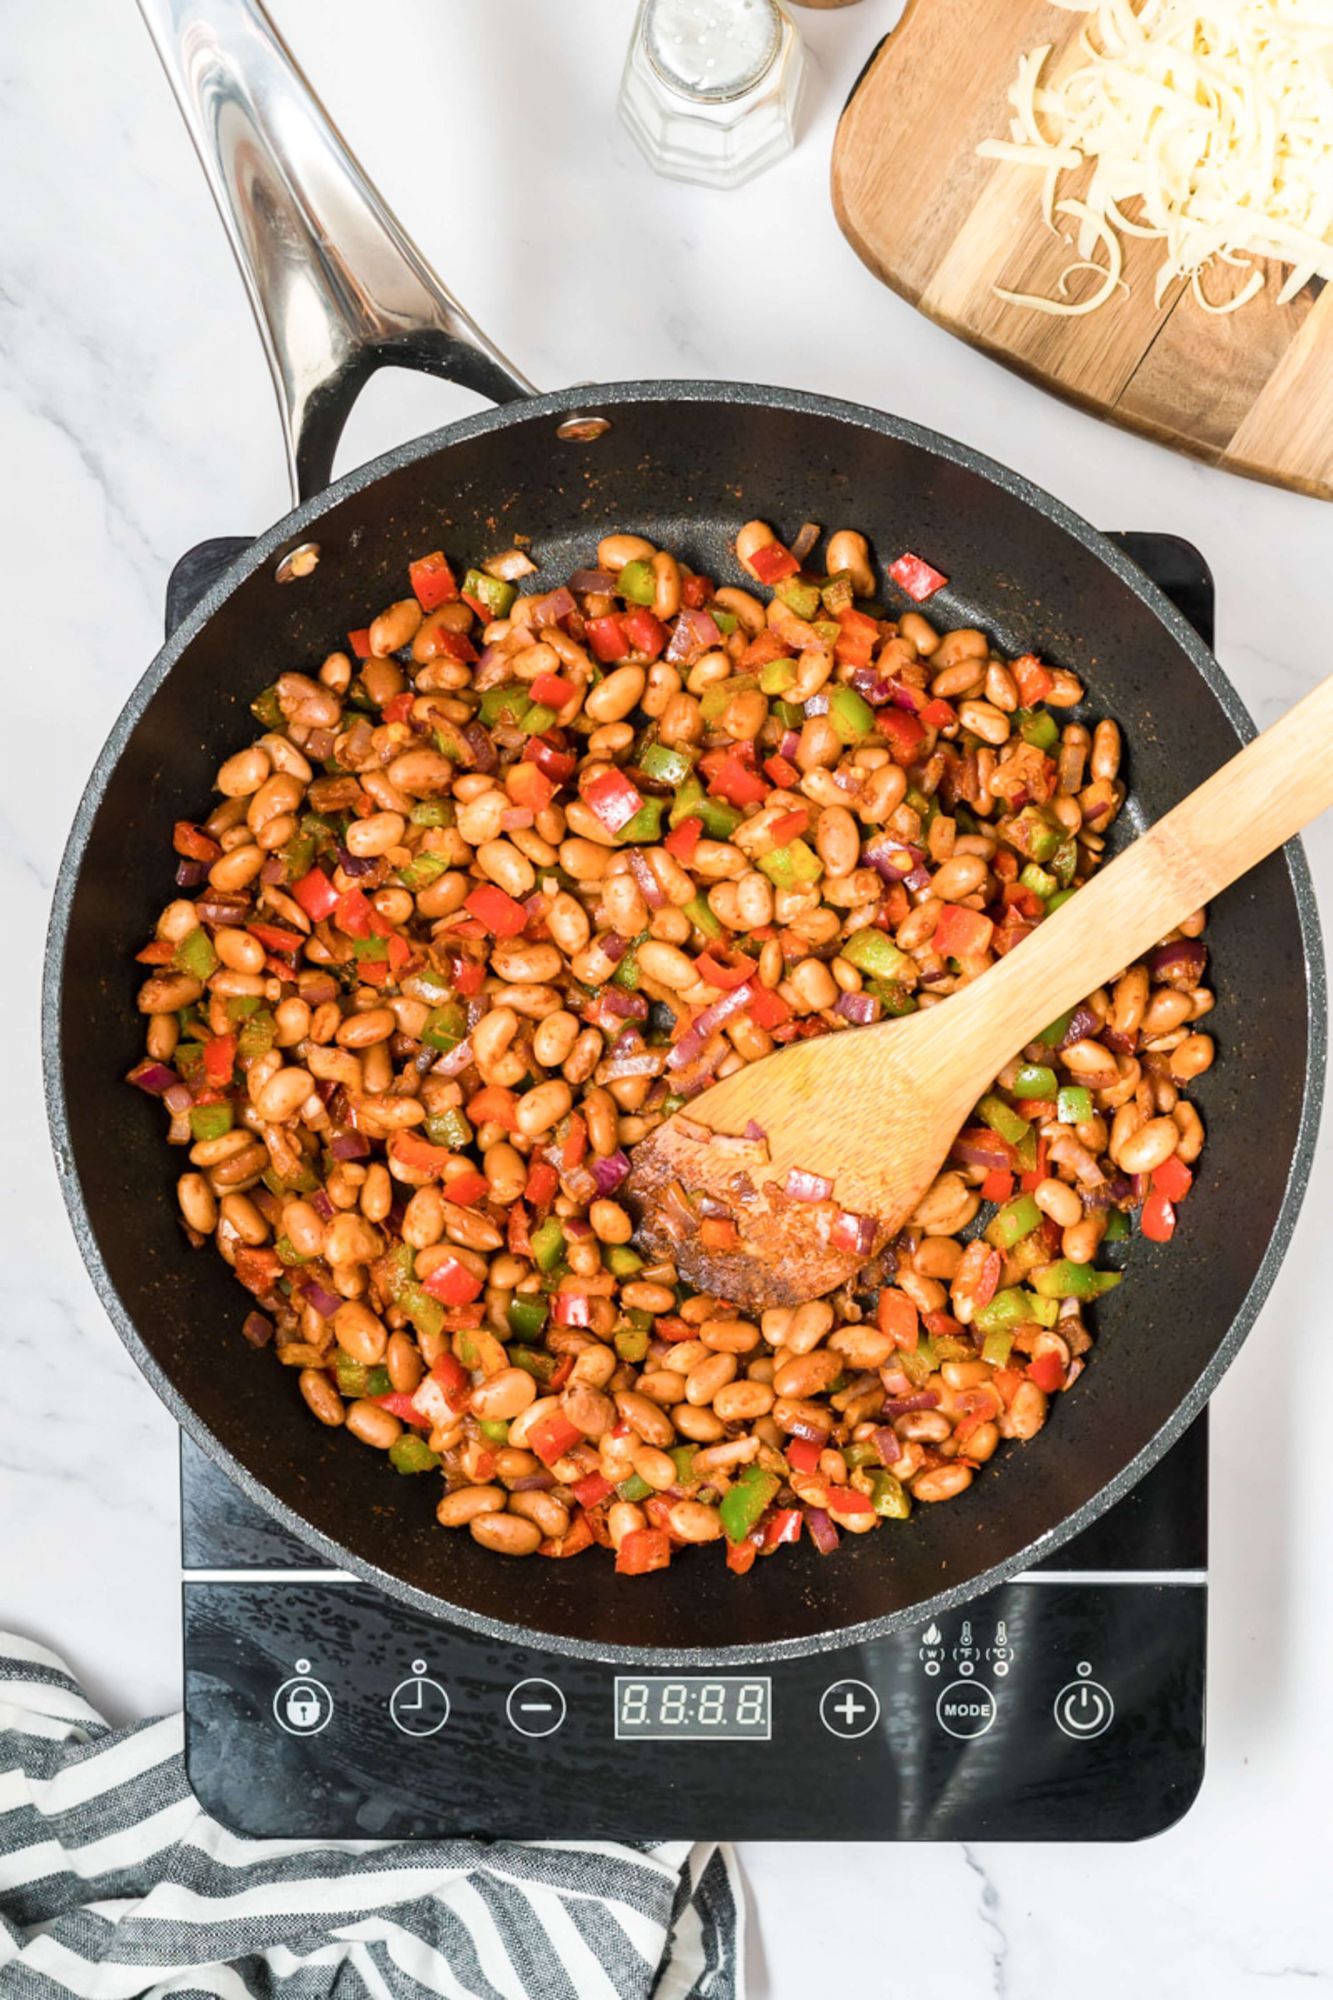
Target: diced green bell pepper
(533, 1361)
(725, 621)
(1010, 1224)
(997, 1347)
(240, 1006)
(288, 1252)
(838, 593)
(1051, 1038)
(526, 1314)
(702, 917)
(1058, 900)
(1117, 1226)
(548, 1244)
(1066, 1280)
(630, 1342)
(776, 676)
(195, 954)
(634, 1488)
(920, 1362)
(794, 866)
(800, 595)
(495, 1430)
(539, 718)
(422, 870)
(351, 1376)
(449, 1128)
(621, 1261)
(893, 997)
(644, 827)
(626, 974)
(268, 709)
(1002, 1118)
(433, 812)
(669, 766)
(1038, 881)
(507, 703)
(1039, 728)
(743, 1503)
(717, 698)
(873, 952)
(445, 1027)
(210, 1121)
(1073, 1106)
(1064, 861)
(1034, 832)
(637, 582)
(1014, 1307)
(683, 1456)
(1034, 1080)
(850, 713)
(410, 1453)
(492, 591)
(888, 1497)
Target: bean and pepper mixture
(511, 878)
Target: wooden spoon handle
(1264, 795)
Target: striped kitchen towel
(114, 1883)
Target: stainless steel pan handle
(338, 289)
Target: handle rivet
(582, 430)
(300, 561)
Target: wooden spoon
(875, 1110)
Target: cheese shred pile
(1212, 124)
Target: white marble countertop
(138, 419)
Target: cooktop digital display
(673, 1707)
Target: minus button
(536, 1708)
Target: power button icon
(1084, 1708)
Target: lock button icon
(302, 1706)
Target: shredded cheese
(1210, 120)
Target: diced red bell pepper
(903, 733)
(588, 1492)
(915, 576)
(404, 1408)
(359, 641)
(553, 1437)
(646, 633)
(766, 1008)
(571, 1309)
(978, 1274)
(849, 1500)
(451, 1375)
(696, 591)
(409, 1149)
(998, 1185)
(1158, 1218)
(517, 1237)
(528, 786)
(555, 763)
(962, 933)
(399, 706)
(498, 911)
(258, 1270)
(724, 968)
(731, 779)
(432, 580)
(782, 771)
(353, 913)
(718, 1232)
(642, 1550)
(1047, 1371)
(1031, 678)
(468, 977)
(543, 1180)
(683, 839)
(494, 1105)
(938, 1323)
(576, 1143)
(220, 1060)
(1172, 1179)
(783, 1525)
(577, 1537)
(672, 1330)
(466, 1189)
(767, 644)
(551, 691)
(742, 1556)
(193, 842)
(772, 562)
(898, 1316)
(453, 1284)
(803, 1454)
(612, 797)
(790, 825)
(316, 894)
(939, 714)
(608, 638)
(454, 645)
(858, 636)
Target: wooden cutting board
(1252, 391)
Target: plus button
(849, 1709)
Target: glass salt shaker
(710, 87)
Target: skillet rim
(593, 399)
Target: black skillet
(684, 463)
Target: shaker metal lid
(711, 50)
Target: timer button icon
(849, 1709)
(420, 1706)
(1084, 1708)
(302, 1706)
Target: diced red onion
(484, 757)
(577, 1228)
(904, 696)
(919, 877)
(817, 704)
(598, 581)
(624, 1006)
(325, 1302)
(790, 744)
(317, 988)
(154, 1077)
(178, 1097)
(691, 1044)
(1082, 1023)
(220, 908)
(189, 874)
(632, 1062)
(902, 1406)
(812, 1433)
(356, 864)
(273, 871)
(257, 1330)
(456, 1061)
(893, 860)
(609, 1171)
(860, 1008)
(806, 537)
(803, 1186)
(853, 1233)
(509, 565)
(1179, 963)
(350, 1146)
(695, 633)
(557, 604)
(1095, 813)
(649, 887)
(319, 744)
(322, 1206)
(888, 1444)
(612, 946)
(689, 1082)
(709, 1205)
(822, 1531)
(754, 1130)
(533, 1482)
(870, 685)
